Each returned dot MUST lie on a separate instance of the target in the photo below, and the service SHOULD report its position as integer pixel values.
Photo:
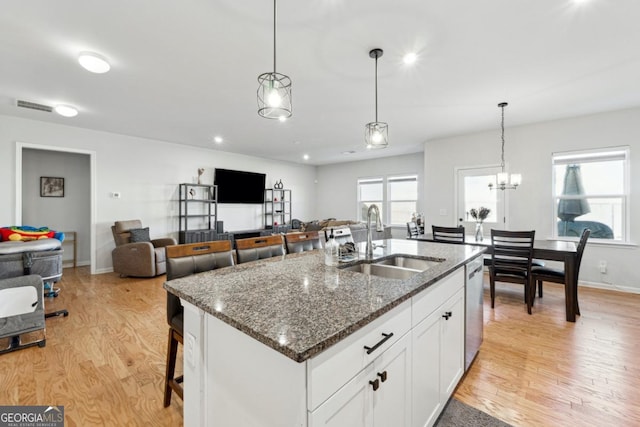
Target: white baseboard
(610, 287)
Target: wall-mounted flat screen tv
(239, 187)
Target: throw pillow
(139, 235)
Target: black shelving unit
(277, 208)
(197, 213)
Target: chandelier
(274, 92)
(503, 180)
(376, 134)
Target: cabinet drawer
(333, 368)
(425, 302)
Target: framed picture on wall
(51, 187)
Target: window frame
(398, 178)
(588, 156)
(359, 203)
(385, 203)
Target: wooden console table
(74, 240)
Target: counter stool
(185, 260)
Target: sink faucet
(372, 208)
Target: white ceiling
(186, 70)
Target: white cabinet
(438, 354)
(380, 395)
(451, 345)
(398, 370)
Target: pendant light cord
(376, 88)
(502, 164)
(274, 35)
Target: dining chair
(185, 260)
(547, 274)
(511, 256)
(300, 242)
(412, 230)
(448, 234)
(255, 248)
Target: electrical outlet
(603, 267)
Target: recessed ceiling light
(410, 58)
(66, 110)
(306, 157)
(94, 62)
(217, 139)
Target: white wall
(337, 185)
(528, 150)
(69, 213)
(146, 173)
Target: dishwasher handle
(477, 270)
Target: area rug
(458, 414)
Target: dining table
(548, 250)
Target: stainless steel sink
(412, 263)
(380, 270)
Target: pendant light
(503, 180)
(376, 134)
(274, 92)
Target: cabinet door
(351, 406)
(357, 404)
(392, 400)
(452, 344)
(426, 370)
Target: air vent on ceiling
(34, 106)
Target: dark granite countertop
(298, 306)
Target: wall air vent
(34, 106)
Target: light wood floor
(105, 362)
(539, 370)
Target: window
(402, 194)
(397, 204)
(370, 191)
(591, 190)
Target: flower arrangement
(480, 214)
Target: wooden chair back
(580, 249)
(191, 258)
(300, 242)
(512, 253)
(448, 234)
(412, 229)
(255, 248)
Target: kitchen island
(291, 341)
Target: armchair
(135, 253)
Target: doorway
(474, 193)
(73, 208)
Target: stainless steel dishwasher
(474, 319)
